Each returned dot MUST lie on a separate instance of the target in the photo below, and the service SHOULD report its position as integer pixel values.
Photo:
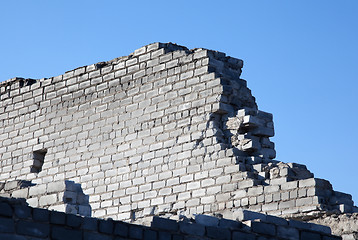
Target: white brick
(48, 200)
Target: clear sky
(301, 59)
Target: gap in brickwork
(38, 160)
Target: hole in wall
(132, 216)
(38, 160)
(30, 81)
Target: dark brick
(121, 229)
(305, 235)
(7, 236)
(164, 236)
(192, 238)
(226, 223)
(57, 218)
(263, 228)
(299, 224)
(320, 228)
(73, 220)
(35, 238)
(287, 232)
(207, 220)
(90, 224)
(33, 229)
(135, 232)
(331, 238)
(106, 226)
(22, 211)
(218, 233)
(165, 224)
(7, 225)
(120, 238)
(95, 236)
(242, 236)
(178, 237)
(265, 238)
(192, 228)
(150, 235)
(61, 233)
(5, 210)
(40, 215)
(276, 220)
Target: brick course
(45, 224)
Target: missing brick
(26, 82)
(38, 160)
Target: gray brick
(37, 190)
(304, 201)
(48, 200)
(270, 207)
(207, 200)
(289, 185)
(201, 54)
(255, 191)
(186, 75)
(287, 204)
(56, 187)
(315, 182)
(10, 185)
(247, 183)
(193, 185)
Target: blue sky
(301, 59)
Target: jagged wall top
(122, 124)
(17, 85)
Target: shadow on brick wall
(76, 201)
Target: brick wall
(164, 131)
(20, 222)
